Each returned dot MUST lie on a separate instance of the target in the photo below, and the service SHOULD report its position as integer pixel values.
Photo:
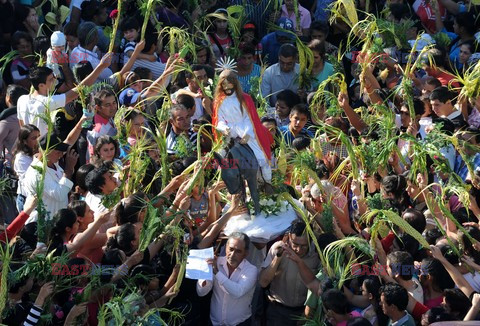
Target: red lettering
(65, 270)
(56, 268)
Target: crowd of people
(121, 129)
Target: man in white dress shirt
(233, 284)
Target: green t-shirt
(315, 302)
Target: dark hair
(407, 243)
(396, 295)
(95, 179)
(195, 67)
(81, 175)
(336, 300)
(399, 11)
(186, 100)
(301, 143)
(322, 171)
(247, 48)
(269, 120)
(123, 239)
(467, 244)
(14, 92)
(18, 36)
(70, 29)
(298, 228)
(467, 21)
(128, 209)
(129, 23)
(79, 207)
(287, 50)
(20, 143)
(415, 218)
(317, 46)
(103, 140)
(300, 109)
(458, 302)
(101, 95)
(130, 115)
(395, 184)
(289, 97)
(418, 106)
(325, 239)
(433, 81)
(64, 218)
(41, 44)
(399, 259)
(471, 45)
(437, 56)
(142, 274)
(22, 12)
(142, 72)
(90, 9)
(320, 26)
(39, 75)
(433, 235)
(81, 70)
(373, 285)
(442, 94)
(437, 314)
(440, 277)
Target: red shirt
(14, 228)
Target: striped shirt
(172, 140)
(33, 316)
(258, 12)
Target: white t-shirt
(29, 109)
(20, 166)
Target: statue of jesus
(235, 115)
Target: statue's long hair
(220, 95)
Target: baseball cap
(58, 39)
(287, 24)
(128, 96)
(55, 143)
(222, 11)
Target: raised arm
(90, 79)
(82, 238)
(138, 49)
(161, 82)
(456, 276)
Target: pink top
(432, 303)
(353, 314)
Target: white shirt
(30, 108)
(232, 295)
(55, 192)
(95, 204)
(20, 166)
(80, 54)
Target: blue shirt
(245, 80)
(289, 137)
(322, 13)
(461, 168)
(270, 48)
(274, 81)
(322, 76)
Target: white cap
(58, 39)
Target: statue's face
(227, 87)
